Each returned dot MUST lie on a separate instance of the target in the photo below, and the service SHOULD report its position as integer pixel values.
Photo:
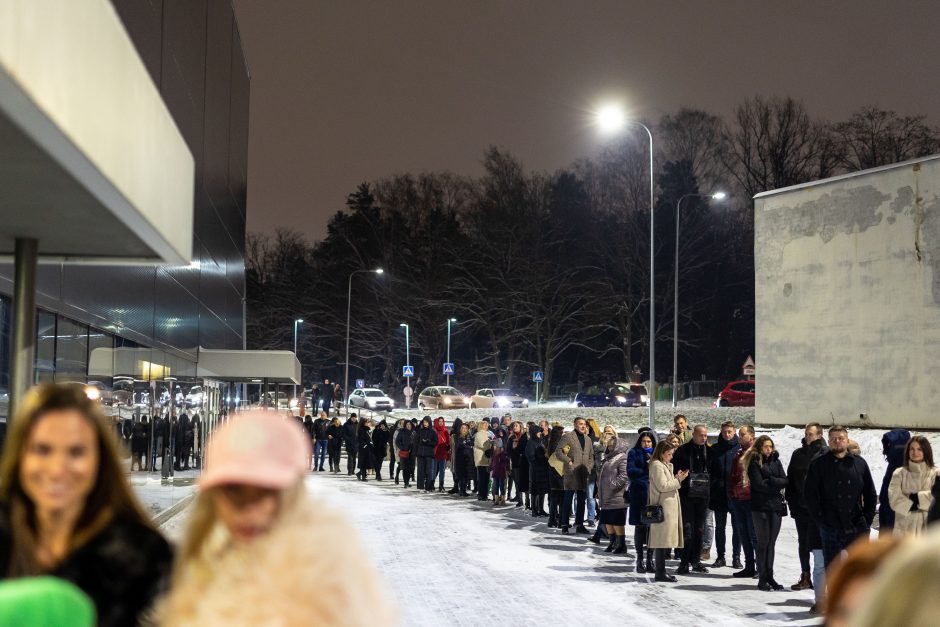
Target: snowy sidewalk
(453, 561)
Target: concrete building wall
(847, 296)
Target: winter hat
(45, 601)
(257, 448)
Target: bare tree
(873, 137)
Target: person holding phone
(664, 491)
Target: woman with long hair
(909, 492)
(247, 558)
(405, 443)
(664, 492)
(365, 449)
(380, 441)
(441, 453)
(538, 470)
(768, 480)
(556, 477)
(334, 447)
(66, 509)
(425, 443)
(519, 465)
(638, 471)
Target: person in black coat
(893, 444)
(180, 437)
(321, 440)
(380, 439)
(350, 439)
(720, 457)
(638, 471)
(840, 495)
(366, 449)
(326, 396)
(693, 456)
(515, 447)
(425, 441)
(807, 534)
(139, 435)
(463, 459)
(335, 435)
(405, 443)
(768, 480)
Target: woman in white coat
(664, 491)
(909, 491)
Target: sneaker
(589, 523)
(719, 563)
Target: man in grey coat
(576, 450)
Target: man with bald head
(693, 497)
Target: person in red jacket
(739, 502)
(441, 453)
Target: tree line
(550, 271)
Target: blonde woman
(664, 491)
(247, 558)
(66, 509)
(909, 491)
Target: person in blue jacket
(638, 471)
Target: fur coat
(917, 480)
(284, 579)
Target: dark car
(592, 397)
(737, 394)
(628, 395)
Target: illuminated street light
(348, 314)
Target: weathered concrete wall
(847, 277)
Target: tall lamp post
(611, 119)
(348, 315)
(298, 321)
(675, 306)
(407, 349)
(449, 321)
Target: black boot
(649, 561)
(640, 540)
(661, 567)
(596, 538)
(527, 504)
(378, 475)
(612, 544)
(621, 547)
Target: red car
(737, 394)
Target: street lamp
(449, 321)
(296, 322)
(675, 306)
(348, 314)
(611, 119)
(407, 349)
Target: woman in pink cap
(248, 558)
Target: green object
(44, 602)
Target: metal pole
(675, 315)
(652, 391)
(348, 313)
(24, 320)
(448, 347)
(407, 351)
(295, 354)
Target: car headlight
(370, 403)
(293, 403)
(446, 401)
(621, 399)
(525, 402)
(644, 398)
(391, 402)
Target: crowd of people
(683, 495)
(76, 548)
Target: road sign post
(749, 368)
(448, 370)
(537, 377)
(408, 371)
(360, 383)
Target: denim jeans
(440, 468)
(708, 536)
(499, 487)
(425, 473)
(721, 538)
(591, 503)
(319, 453)
(819, 575)
(835, 541)
(741, 512)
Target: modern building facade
(135, 331)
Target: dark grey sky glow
(349, 91)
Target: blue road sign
(448, 368)
(408, 371)
(537, 376)
(360, 383)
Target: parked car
(628, 395)
(195, 396)
(593, 396)
(442, 397)
(371, 398)
(737, 394)
(500, 398)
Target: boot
(640, 542)
(773, 582)
(612, 545)
(661, 567)
(805, 583)
(621, 547)
(736, 563)
(749, 571)
(649, 561)
(519, 499)
(527, 504)
(596, 538)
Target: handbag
(781, 507)
(699, 485)
(652, 514)
(404, 454)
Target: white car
(497, 398)
(371, 398)
(195, 396)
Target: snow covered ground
(453, 561)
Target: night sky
(344, 91)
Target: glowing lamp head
(610, 118)
(719, 195)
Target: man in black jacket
(693, 456)
(720, 459)
(813, 447)
(351, 441)
(840, 495)
(321, 441)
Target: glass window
(45, 346)
(71, 351)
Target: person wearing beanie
(247, 558)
